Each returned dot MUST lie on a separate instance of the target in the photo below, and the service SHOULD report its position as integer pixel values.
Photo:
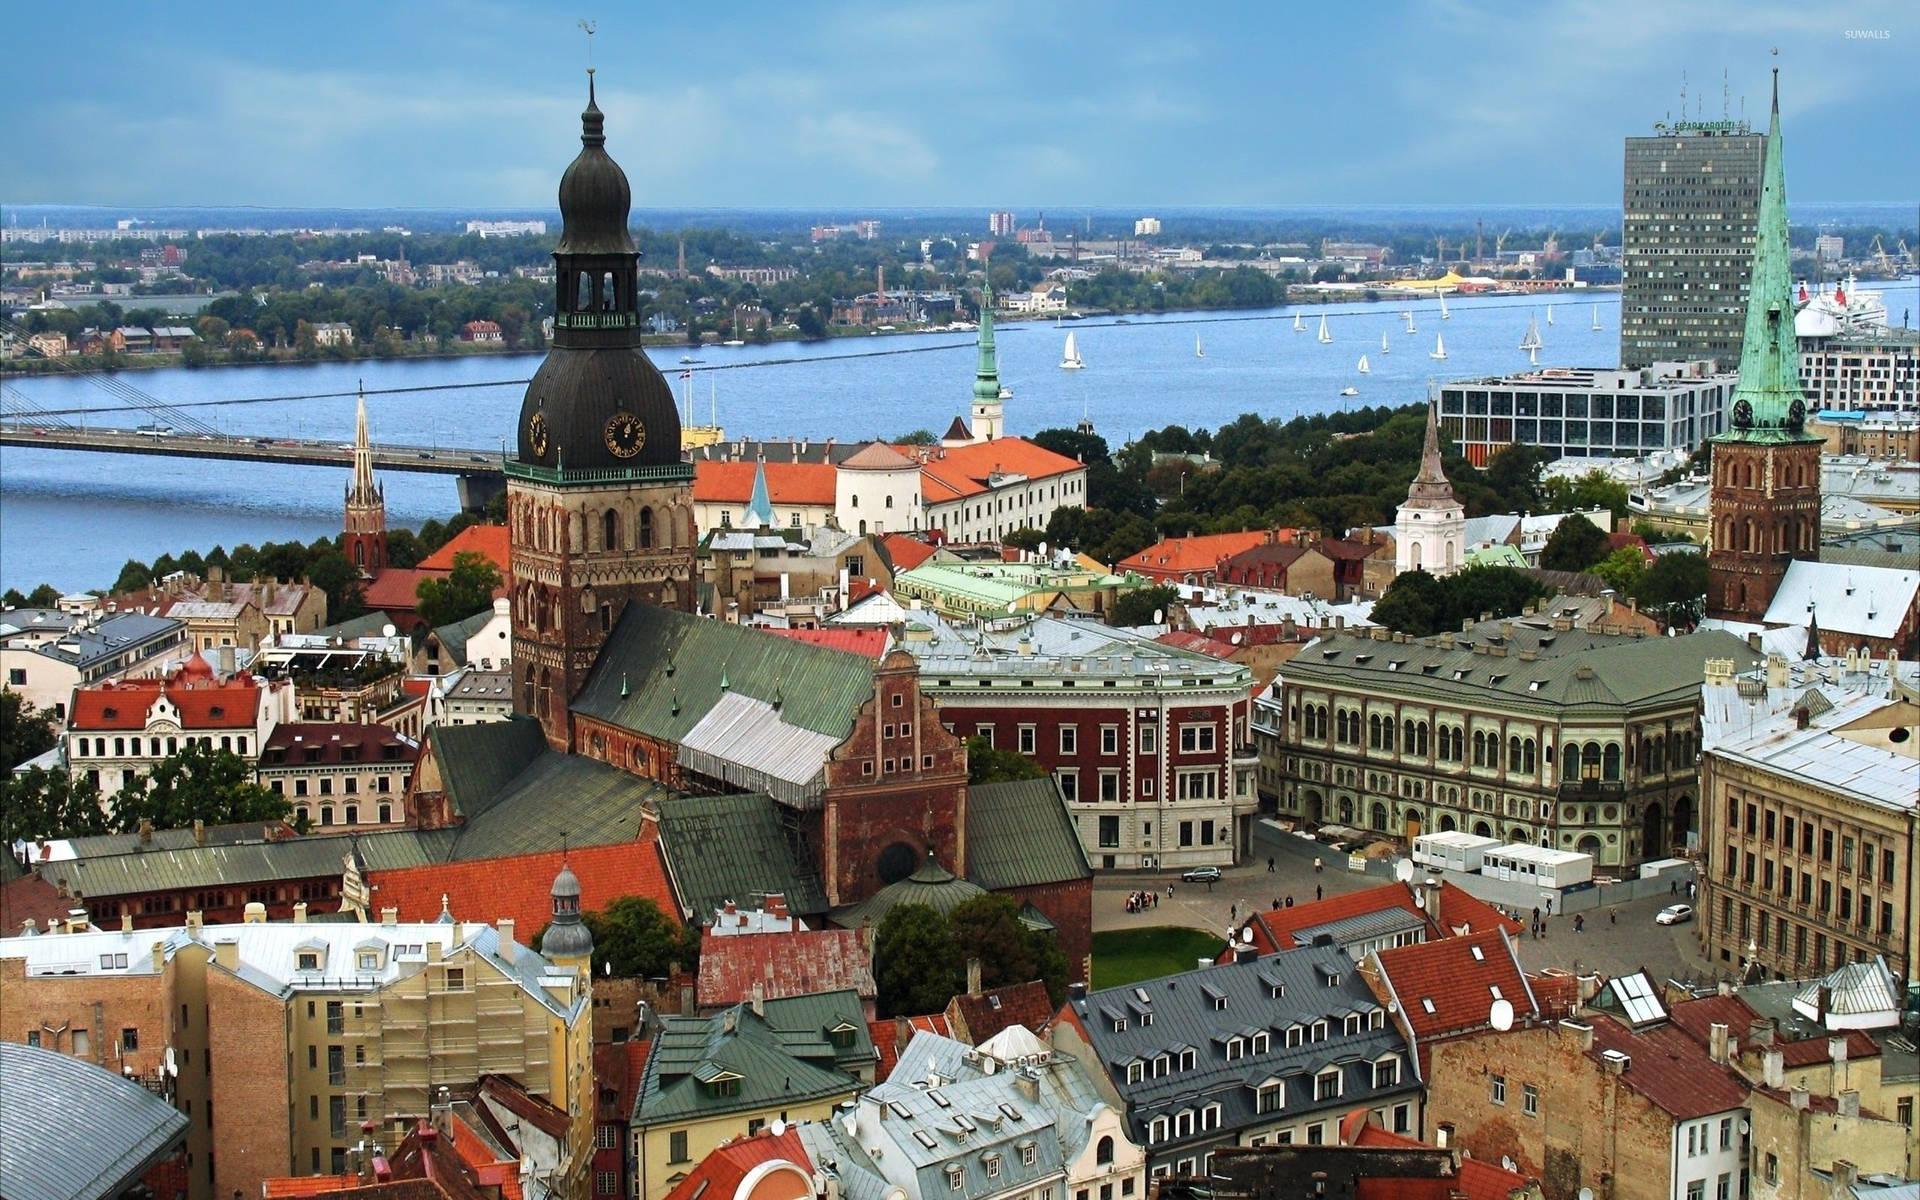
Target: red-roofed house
(1594, 1104)
(906, 552)
(1448, 988)
(337, 773)
(1375, 918)
(772, 966)
(722, 490)
(488, 541)
(395, 591)
(1196, 560)
(518, 889)
(983, 491)
(869, 643)
(976, 1015)
(891, 1037)
(116, 732)
(617, 1071)
(759, 1166)
(1473, 1178)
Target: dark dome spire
(594, 196)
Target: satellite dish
(1236, 639)
(1013, 606)
(1586, 1194)
(1502, 1015)
(1158, 616)
(386, 631)
(1043, 549)
(1403, 870)
(777, 1127)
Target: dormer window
(956, 1177)
(1320, 1031)
(1236, 1048)
(724, 1085)
(1296, 1035)
(992, 1162)
(1350, 1025)
(1261, 1042)
(1136, 1070)
(1162, 1065)
(1187, 1059)
(307, 960)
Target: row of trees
(195, 784)
(920, 956)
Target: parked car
(1200, 875)
(1674, 914)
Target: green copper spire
(1768, 405)
(986, 378)
(760, 504)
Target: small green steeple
(1768, 405)
(986, 377)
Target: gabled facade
(117, 732)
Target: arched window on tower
(610, 529)
(583, 295)
(606, 292)
(646, 529)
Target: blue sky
(891, 104)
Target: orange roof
(1477, 1179)
(395, 589)
(727, 1165)
(787, 483)
(1203, 553)
(1460, 913)
(782, 964)
(992, 1011)
(869, 643)
(307, 1185)
(906, 553)
(203, 703)
(963, 470)
(518, 888)
(888, 1043)
(491, 541)
(1447, 987)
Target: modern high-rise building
(1000, 224)
(1690, 200)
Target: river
(71, 519)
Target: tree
(1139, 606)
(1595, 489)
(1576, 545)
(1623, 570)
(988, 928)
(988, 765)
(1674, 589)
(1415, 602)
(133, 576)
(1515, 474)
(36, 805)
(634, 939)
(915, 965)
(25, 731)
(340, 580)
(1024, 538)
(465, 591)
(197, 783)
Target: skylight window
(1426, 1005)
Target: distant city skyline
(443, 105)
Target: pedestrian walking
(1536, 914)
(1169, 891)
(1318, 892)
(1289, 903)
(1319, 865)
(1673, 887)
(1276, 903)
(1613, 916)
(1579, 923)
(1549, 906)
(1233, 913)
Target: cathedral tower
(1430, 529)
(599, 502)
(1764, 509)
(365, 540)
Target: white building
(476, 697)
(878, 491)
(45, 653)
(117, 732)
(1429, 530)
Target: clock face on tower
(537, 435)
(626, 434)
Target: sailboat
(1384, 348)
(1352, 391)
(1532, 339)
(1070, 357)
(1444, 314)
(1324, 335)
(1549, 314)
(1299, 323)
(1596, 319)
(1409, 316)
(1364, 368)
(1198, 351)
(1439, 347)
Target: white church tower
(1429, 530)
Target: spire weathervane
(589, 28)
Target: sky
(891, 104)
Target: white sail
(1532, 339)
(1299, 323)
(1444, 314)
(1410, 327)
(1596, 318)
(1198, 350)
(1533, 356)
(1070, 357)
(1439, 347)
(1549, 314)
(1384, 348)
(1364, 368)
(1324, 335)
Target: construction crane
(1479, 239)
(1440, 249)
(1500, 242)
(1880, 255)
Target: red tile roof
(493, 542)
(784, 964)
(1173, 557)
(726, 1167)
(1476, 1179)
(868, 643)
(1668, 1068)
(906, 553)
(1697, 1017)
(617, 1067)
(1198, 643)
(787, 483)
(1556, 991)
(490, 889)
(888, 1042)
(963, 470)
(307, 1185)
(991, 1011)
(1455, 976)
(1460, 912)
(395, 590)
(203, 703)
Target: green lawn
(1122, 956)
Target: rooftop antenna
(1726, 95)
(1683, 94)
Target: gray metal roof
(747, 743)
(722, 848)
(1184, 1014)
(1362, 927)
(70, 1130)
(1019, 835)
(113, 636)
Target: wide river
(71, 519)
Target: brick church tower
(599, 502)
(1764, 510)
(364, 541)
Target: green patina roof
(658, 661)
(760, 504)
(932, 885)
(1019, 835)
(725, 848)
(1768, 404)
(477, 761)
(780, 1056)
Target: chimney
(1443, 1135)
(194, 921)
(759, 999)
(1848, 1103)
(1076, 991)
(159, 954)
(1773, 1063)
(1837, 1051)
(1753, 642)
(226, 952)
(254, 914)
(1430, 898)
(776, 906)
(505, 926)
(126, 922)
(1616, 1061)
(973, 977)
(389, 916)
(199, 832)
(1799, 1099)
(1760, 1032)
(1717, 1041)
(146, 831)
(1841, 1180)
(1581, 1033)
